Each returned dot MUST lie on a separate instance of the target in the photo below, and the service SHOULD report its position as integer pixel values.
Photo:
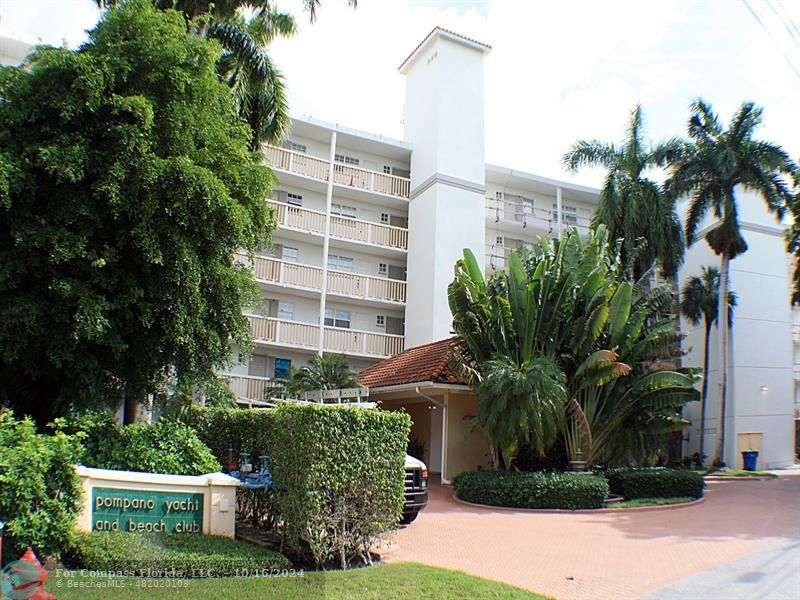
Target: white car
(416, 494)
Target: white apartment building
(370, 228)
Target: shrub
(223, 429)
(165, 447)
(40, 491)
(532, 490)
(655, 483)
(172, 555)
(338, 475)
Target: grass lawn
(651, 502)
(400, 581)
(741, 473)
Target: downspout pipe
(444, 425)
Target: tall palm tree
(719, 162)
(701, 303)
(246, 66)
(634, 208)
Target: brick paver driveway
(605, 555)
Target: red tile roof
(420, 363)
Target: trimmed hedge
(532, 489)
(40, 491)
(166, 447)
(171, 555)
(222, 429)
(655, 483)
(341, 470)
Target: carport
(420, 382)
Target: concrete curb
(582, 511)
(755, 478)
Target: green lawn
(741, 473)
(400, 581)
(638, 502)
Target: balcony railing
(343, 228)
(306, 335)
(317, 168)
(340, 283)
(532, 216)
(250, 387)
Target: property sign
(144, 511)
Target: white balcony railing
(340, 283)
(306, 335)
(345, 175)
(531, 216)
(250, 387)
(344, 228)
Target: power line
(764, 27)
(786, 20)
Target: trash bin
(750, 460)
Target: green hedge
(40, 491)
(165, 447)
(171, 555)
(342, 471)
(655, 483)
(532, 489)
(238, 429)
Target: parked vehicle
(416, 494)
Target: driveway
(611, 555)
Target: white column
(326, 244)
(558, 210)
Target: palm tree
(633, 207)
(701, 303)
(323, 372)
(717, 162)
(246, 66)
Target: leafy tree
(701, 303)
(126, 187)
(719, 162)
(632, 207)
(565, 331)
(256, 83)
(793, 244)
(323, 372)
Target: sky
(558, 71)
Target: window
(345, 159)
(384, 217)
(282, 367)
(343, 210)
(337, 318)
(340, 263)
(286, 311)
(570, 214)
(383, 269)
(380, 321)
(289, 254)
(294, 199)
(290, 145)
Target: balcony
(340, 283)
(520, 215)
(250, 388)
(298, 163)
(342, 228)
(267, 330)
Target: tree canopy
(126, 186)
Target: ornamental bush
(40, 491)
(532, 489)
(171, 555)
(655, 483)
(166, 447)
(236, 429)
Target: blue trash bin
(750, 460)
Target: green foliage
(634, 208)
(532, 490)
(565, 323)
(176, 555)
(642, 502)
(40, 491)
(342, 469)
(326, 372)
(655, 483)
(165, 447)
(128, 187)
(232, 428)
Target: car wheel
(408, 518)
